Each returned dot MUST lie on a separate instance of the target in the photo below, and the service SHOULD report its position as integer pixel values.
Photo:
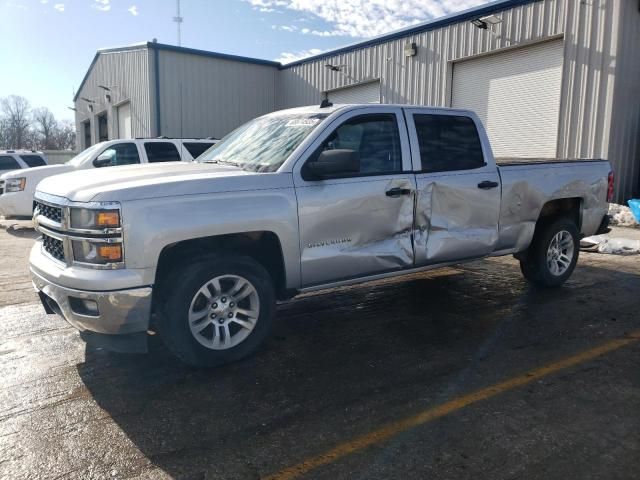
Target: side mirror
(103, 160)
(331, 163)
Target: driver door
(359, 223)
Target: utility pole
(178, 20)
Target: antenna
(178, 20)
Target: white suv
(18, 186)
(18, 159)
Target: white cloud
(357, 18)
(59, 7)
(133, 10)
(288, 57)
(101, 5)
(44, 2)
(285, 28)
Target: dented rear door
(457, 187)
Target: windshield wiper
(222, 161)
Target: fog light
(84, 306)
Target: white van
(18, 186)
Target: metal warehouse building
(549, 78)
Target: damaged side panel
(352, 228)
(454, 218)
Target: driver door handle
(487, 185)
(396, 192)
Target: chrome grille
(47, 211)
(53, 247)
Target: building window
(103, 127)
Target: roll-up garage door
(517, 96)
(363, 93)
(124, 120)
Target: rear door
(458, 190)
(360, 224)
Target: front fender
(150, 225)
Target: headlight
(15, 184)
(96, 253)
(90, 219)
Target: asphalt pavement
(460, 373)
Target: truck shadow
(351, 357)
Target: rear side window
(161, 152)
(33, 160)
(197, 149)
(8, 163)
(448, 142)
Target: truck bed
(506, 161)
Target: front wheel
(553, 253)
(216, 310)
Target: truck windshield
(84, 155)
(263, 144)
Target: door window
(161, 152)
(448, 142)
(376, 139)
(8, 163)
(122, 154)
(33, 160)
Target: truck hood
(136, 182)
(36, 174)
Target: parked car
(296, 201)
(17, 187)
(18, 159)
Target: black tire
(534, 264)
(178, 291)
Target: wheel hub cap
(224, 311)
(560, 253)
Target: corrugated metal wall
(203, 96)
(425, 78)
(591, 34)
(127, 74)
(624, 140)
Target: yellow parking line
(392, 429)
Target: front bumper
(118, 312)
(16, 204)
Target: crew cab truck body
(295, 201)
(18, 187)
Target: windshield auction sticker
(302, 122)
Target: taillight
(610, 188)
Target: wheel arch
(263, 246)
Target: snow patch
(621, 216)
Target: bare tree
(46, 126)
(15, 110)
(65, 135)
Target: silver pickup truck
(294, 201)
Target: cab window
(374, 137)
(33, 160)
(161, 152)
(120, 154)
(7, 162)
(448, 142)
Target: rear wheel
(216, 310)
(553, 253)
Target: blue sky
(48, 44)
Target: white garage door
(363, 93)
(517, 96)
(124, 120)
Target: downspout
(156, 68)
